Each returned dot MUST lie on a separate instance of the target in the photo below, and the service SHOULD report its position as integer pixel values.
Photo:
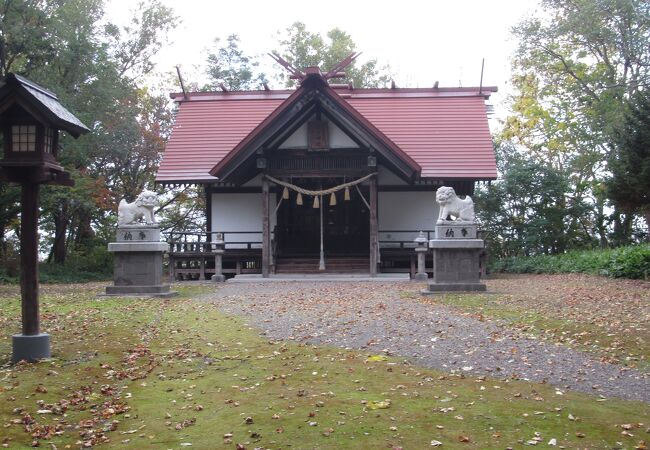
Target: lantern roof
(40, 102)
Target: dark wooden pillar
(266, 229)
(29, 258)
(208, 213)
(374, 229)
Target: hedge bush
(97, 265)
(623, 262)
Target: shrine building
(325, 177)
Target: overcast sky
(422, 41)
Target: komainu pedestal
(456, 265)
(456, 248)
(138, 255)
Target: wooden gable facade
(269, 160)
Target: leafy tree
(575, 66)
(9, 209)
(629, 184)
(133, 46)
(228, 65)
(532, 220)
(303, 49)
(24, 38)
(184, 211)
(94, 68)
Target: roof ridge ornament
(295, 73)
(338, 71)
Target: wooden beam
(374, 229)
(266, 229)
(29, 259)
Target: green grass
(623, 262)
(146, 373)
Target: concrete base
(421, 277)
(357, 277)
(139, 291)
(218, 278)
(456, 265)
(437, 288)
(31, 348)
(138, 262)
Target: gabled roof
(440, 133)
(40, 101)
(314, 93)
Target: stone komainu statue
(141, 208)
(451, 204)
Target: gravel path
(374, 317)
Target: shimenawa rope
(321, 192)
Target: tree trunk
(600, 224)
(646, 216)
(85, 232)
(622, 228)
(61, 220)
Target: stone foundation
(138, 262)
(455, 265)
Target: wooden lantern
(30, 120)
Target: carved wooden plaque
(318, 135)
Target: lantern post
(421, 248)
(30, 120)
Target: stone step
(332, 265)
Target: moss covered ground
(176, 373)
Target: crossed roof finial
(338, 71)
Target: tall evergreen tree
(629, 184)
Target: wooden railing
(191, 254)
(201, 241)
(401, 239)
(397, 250)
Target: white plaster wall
(337, 138)
(385, 177)
(297, 140)
(414, 211)
(240, 212)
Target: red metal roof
(448, 137)
(445, 130)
